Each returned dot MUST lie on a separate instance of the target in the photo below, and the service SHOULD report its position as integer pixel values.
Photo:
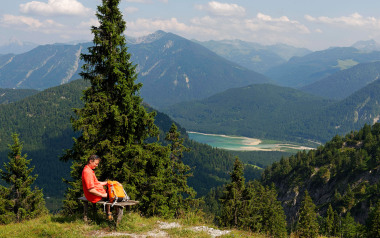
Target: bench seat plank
(119, 207)
(121, 204)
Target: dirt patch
(154, 233)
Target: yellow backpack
(116, 192)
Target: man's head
(93, 161)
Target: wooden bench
(119, 207)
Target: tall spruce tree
(18, 201)
(307, 221)
(261, 211)
(233, 196)
(179, 173)
(115, 125)
(329, 221)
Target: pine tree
(329, 221)
(232, 196)
(179, 172)
(307, 221)
(349, 227)
(261, 211)
(19, 201)
(115, 125)
(6, 206)
(373, 221)
(274, 219)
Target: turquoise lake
(241, 143)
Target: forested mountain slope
(43, 122)
(346, 115)
(273, 112)
(345, 173)
(343, 83)
(258, 111)
(13, 95)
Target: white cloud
(281, 24)
(262, 28)
(353, 20)
(55, 7)
(149, 25)
(222, 9)
(29, 22)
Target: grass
(46, 226)
(346, 64)
(131, 224)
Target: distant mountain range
(368, 45)
(345, 82)
(174, 69)
(301, 71)
(171, 68)
(254, 56)
(273, 112)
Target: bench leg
(119, 214)
(85, 211)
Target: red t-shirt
(89, 181)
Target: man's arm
(103, 183)
(96, 193)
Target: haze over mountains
(254, 56)
(16, 47)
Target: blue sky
(312, 24)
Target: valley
(294, 118)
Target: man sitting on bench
(92, 188)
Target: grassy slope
(131, 225)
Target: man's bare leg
(109, 213)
